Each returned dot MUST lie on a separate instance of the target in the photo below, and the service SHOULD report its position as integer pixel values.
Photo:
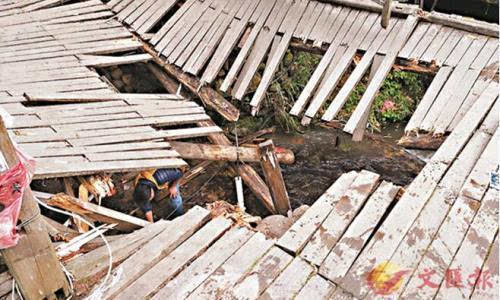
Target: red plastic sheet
(13, 183)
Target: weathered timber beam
(423, 142)
(208, 95)
(397, 8)
(454, 21)
(386, 14)
(247, 173)
(459, 22)
(168, 83)
(274, 178)
(33, 261)
(224, 153)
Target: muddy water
(322, 155)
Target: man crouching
(149, 183)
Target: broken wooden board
(170, 266)
(158, 248)
(92, 211)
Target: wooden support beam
(208, 95)
(386, 14)
(247, 173)
(32, 262)
(224, 153)
(455, 21)
(274, 178)
(168, 83)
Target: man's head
(143, 193)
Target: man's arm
(149, 216)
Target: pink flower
(388, 105)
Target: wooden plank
(449, 111)
(421, 233)
(106, 61)
(260, 49)
(261, 275)
(316, 288)
(341, 67)
(290, 22)
(427, 40)
(234, 269)
(458, 138)
(380, 248)
(290, 281)
(49, 137)
(490, 267)
(357, 121)
(358, 73)
(181, 52)
(322, 26)
(32, 261)
(96, 149)
(228, 42)
(174, 263)
(429, 97)
(158, 248)
(313, 20)
(456, 55)
(90, 264)
(326, 60)
(303, 229)
(442, 249)
(172, 21)
(476, 91)
(147, 136)
(439, 41)
(51, 170)
(343, 255)
(182, 28)
(474, 249)
(157, 121)
(131, 155)
(92, 211)
(490, 123)
(211, 41)
(147, 21)
(479, 179)
(272, 172)
(306, 18)
(452, 85)
(331, 230)
(447, 48)
(243, 54)
(199, 270)
(414, 39)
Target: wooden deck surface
(48, 52)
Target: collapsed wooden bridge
(200, 36)
(447, 219)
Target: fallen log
(225, 153)
(168, 83)
(208, 95)
(422, 142)
(92, 211)
(247, 173)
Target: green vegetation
(395, 101)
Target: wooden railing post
(32, 262)
(272, 171)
